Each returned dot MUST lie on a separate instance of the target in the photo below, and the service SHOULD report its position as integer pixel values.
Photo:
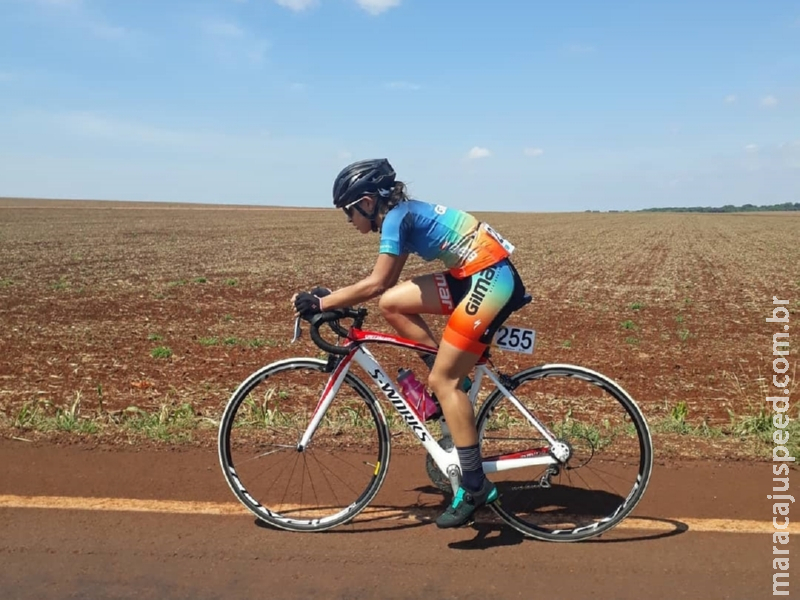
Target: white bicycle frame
(445, 460)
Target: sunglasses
(348, 208)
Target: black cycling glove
(308, 304)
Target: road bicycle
(567, 447)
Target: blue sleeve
(392, 232)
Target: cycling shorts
(478, 305)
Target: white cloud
(478, 152)
(89, 124)
(730, 99)
(59, 3)
(344, 155)
(97, 126)
(76, 14)
(402, 85)
(680, 181)
(297, 5)
(769, 101)
(376, 7)
(533, 152)
(256, 51)
(751, 148)
(232, 43)
(222, 28)
(107, 32)
(580, 49)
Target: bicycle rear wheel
(328, 483)
(611, 455)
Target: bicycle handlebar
(332, 317)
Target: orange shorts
(478, 305)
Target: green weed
(165, 424)
(161, 352)
(61, 284)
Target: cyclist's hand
(319, 292)
(306, 304)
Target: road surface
(162, 524)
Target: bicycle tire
(270, 516)
(645, 464)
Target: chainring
(439, 479)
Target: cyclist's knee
(441, 384)
(387, 303)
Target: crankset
(439, 479)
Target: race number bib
(515, 339)
(500, 239)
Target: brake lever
(298, 331)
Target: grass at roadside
(675, 434)
(171, 423)
(753, 432)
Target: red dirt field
(672, 306)
(126, 326)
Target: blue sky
(503, 105)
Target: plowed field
(108, 306)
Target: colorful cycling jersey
(432, 231)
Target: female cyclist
(479, 289)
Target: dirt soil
(672, 306)
(107, 306)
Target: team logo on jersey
(445, 297)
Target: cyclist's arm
(384, 275)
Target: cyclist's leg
(480, 311)
(469, 330)
(403, 305)
(453, 364)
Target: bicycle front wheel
(610, 452)
(332, 479)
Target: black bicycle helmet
(360, 178)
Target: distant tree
(728, 208)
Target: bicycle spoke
(591, 491)
(327, 483)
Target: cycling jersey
(432, 231)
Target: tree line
(729, 208)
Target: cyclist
(478, 290)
